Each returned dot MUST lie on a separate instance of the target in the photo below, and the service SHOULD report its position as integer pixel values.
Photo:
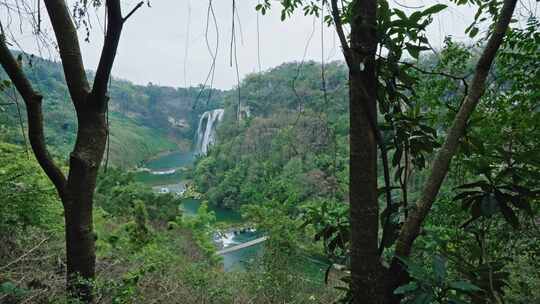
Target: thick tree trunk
(364, 209)
(80, 248)
(78, 204)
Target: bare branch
(25, 254)
(32, 100)
(133, 11)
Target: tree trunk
(78, 203)
(364, 209)
(77, 191)
(80, 248)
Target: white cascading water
(206, 135)
(228, 239)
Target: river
(166, 173)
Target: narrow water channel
(237, 260)
(173, 180)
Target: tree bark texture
(364, 209)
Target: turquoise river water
(237, 260)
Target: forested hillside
(294, 138)
(286, 165)
(144, 120)
(407, 172)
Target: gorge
(162, 173)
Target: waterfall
(206, 133)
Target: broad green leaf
(439, 267)
(509, 215)
(464, 286)
(489, 205)
(423, 298)
(400, 14)
(407, 288)
(434, 9)
(473, 32)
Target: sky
(166, 43)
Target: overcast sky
(165, 43)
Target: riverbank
(229, 228)
(166, 169)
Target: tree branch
(70, 52)
(32, 100)
(115, 23)
(25, 254)
(341, 34)
(133, 11)
(463, 79)
(441, 164)
(108, 53)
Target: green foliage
(117, 192)
(282, 271)
(293, 86)
(138, 230)
(507, 164)
(280, 250)
(484, 199)
(433, 285)
(254, 161)
(126, 290)
(144, 120)
(28, 198)
(269, 162)
(285, 163)
(131, 142)
(207, 284)
(331, 224)
(201, 226)
(11, 293)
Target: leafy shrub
(117, 191)
(27, 197)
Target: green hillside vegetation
(282, 164)
(139, 116)
(252, 154)
(131, 142)
(146, 250)
(286, 165)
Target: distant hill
(291, 143)
(144, 120)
